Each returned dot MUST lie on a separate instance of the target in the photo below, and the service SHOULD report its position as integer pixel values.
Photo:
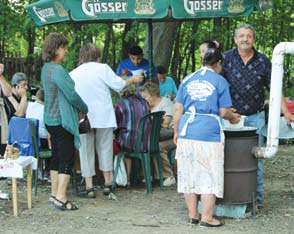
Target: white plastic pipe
(275, 100)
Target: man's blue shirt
(127, 63)
(247, 81)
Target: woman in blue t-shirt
(202, 98)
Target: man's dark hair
(161, 70)
(136, 50)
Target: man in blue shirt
(127, 67)
(167, 85)
(248, 73)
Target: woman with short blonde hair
(151, 93)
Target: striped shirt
(129, 111)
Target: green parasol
(46, 12)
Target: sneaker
(169, 181)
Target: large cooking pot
(240, 166)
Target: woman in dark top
(16, 104)
(14, 99)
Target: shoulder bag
(84, 125)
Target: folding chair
(153, 119)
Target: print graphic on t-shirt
(200, 89)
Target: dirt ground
(162, 212)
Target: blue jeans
(258, 120)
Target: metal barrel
(240, 168)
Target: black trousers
(63, 149)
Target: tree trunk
(193, 47)
(163, 40)
(31, 37)
(126, 44)
(106, 42)
(176, 56)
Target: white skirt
(200, 167)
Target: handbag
(121, 178)
(116, 147)
(84, 125)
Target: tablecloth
(14, 168)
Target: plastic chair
(19, 133)
(41, 155)
(154, 120)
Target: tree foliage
(175, 44)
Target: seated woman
(128, 111)
(151, 93)
(16, 104)
(13, 100)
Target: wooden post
(29, 186)
(14, 196)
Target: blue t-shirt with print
(206, 91)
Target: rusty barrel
(240, 166)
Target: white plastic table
(14, 170)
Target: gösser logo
(43, 14)
(91, 8)
(193, 6)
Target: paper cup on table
(228, 125)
